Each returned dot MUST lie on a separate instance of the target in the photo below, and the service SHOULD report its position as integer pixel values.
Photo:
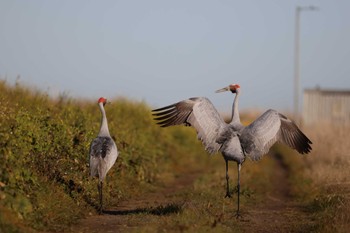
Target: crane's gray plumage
(101, 146)
(101, 156)
(233, 140)
(103, 151)
(258, 137)
(196, 112)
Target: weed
(45, 183)
(44, 173)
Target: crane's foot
(228, 195)
(238, 215)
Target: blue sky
(163, 51)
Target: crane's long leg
(238, 189)
(227, 181)
(100, 195)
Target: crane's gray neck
(235, 113)
(104, 132)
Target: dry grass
(330, 159)
(328, 168)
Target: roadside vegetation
(44, 173)
(45, 183)
(329, 170)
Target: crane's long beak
(223, 89)
(107, 102)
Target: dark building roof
(328, 91)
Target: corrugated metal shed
(326, 106)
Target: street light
(298, 10)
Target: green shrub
(44, 144)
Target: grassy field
(328, 168)
(44, 182)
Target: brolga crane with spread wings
(235, 141)
(103, 152)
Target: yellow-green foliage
(44, 170)
(44, 144)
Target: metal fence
(326, 106)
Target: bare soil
(117, 219)
(278, 213)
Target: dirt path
(160, 201)
(280, 212)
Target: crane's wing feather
(102, 148)
(197, 112)
(270, 127)
(291, 135)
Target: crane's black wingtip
(307, 148)
(163, 108)
(162, 124)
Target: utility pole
(298, 10)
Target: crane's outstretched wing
(270, 127)
(198, 112)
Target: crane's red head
(102, 100)
(233, 88)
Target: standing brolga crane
(103, 152)
(235, 141)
